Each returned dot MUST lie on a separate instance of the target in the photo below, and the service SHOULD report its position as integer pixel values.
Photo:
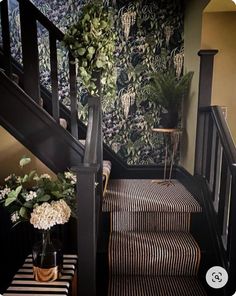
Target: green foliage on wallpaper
(150, 38)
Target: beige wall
(219, 32)
(192, 44)
(11, 151)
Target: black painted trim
(36, 129)
(119, 168)
(204, 228)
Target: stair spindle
(73, 96)
(30, 51)
(54, 76)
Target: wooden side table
(174, 134)
(23, 282)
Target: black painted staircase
(151, 251)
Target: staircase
(151, 251)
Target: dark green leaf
(23, 212)
(44, 198)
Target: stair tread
(159, 286)
(156, 253)
(135, 195)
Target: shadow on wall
(10, 153)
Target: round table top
(167, 130)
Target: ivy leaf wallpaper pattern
(150, 38)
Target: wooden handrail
(90, 155)
(223, 132)
(39, 16)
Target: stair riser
(155, 286)
(150, 221)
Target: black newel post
(86, 228)
(97, 76)
(204, 100)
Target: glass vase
(47, 258)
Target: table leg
(171, 164)
(166, 156)
(164, 181)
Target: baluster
(29, 51)
(54, 76)
(6, 37)
(73, 97)
(225, 226)
(213, 159)
(213, 168)
(216, 192)
(205, 143)
(209, 156)
(199, 144)
(222, 195)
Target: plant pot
(47, 258)
(169, 119)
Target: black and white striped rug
(23, 282)
(151, 251)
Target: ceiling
(220, 5)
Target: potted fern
(168, 91)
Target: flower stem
(46, 241)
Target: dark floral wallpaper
(150, 38)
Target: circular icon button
(216, 277)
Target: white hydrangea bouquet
(39, 199)
(44, 202)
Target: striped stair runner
(151, 251)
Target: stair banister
(41, 18)
(218, 171)
(88, 202)
(29, 16)
(89, 172)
